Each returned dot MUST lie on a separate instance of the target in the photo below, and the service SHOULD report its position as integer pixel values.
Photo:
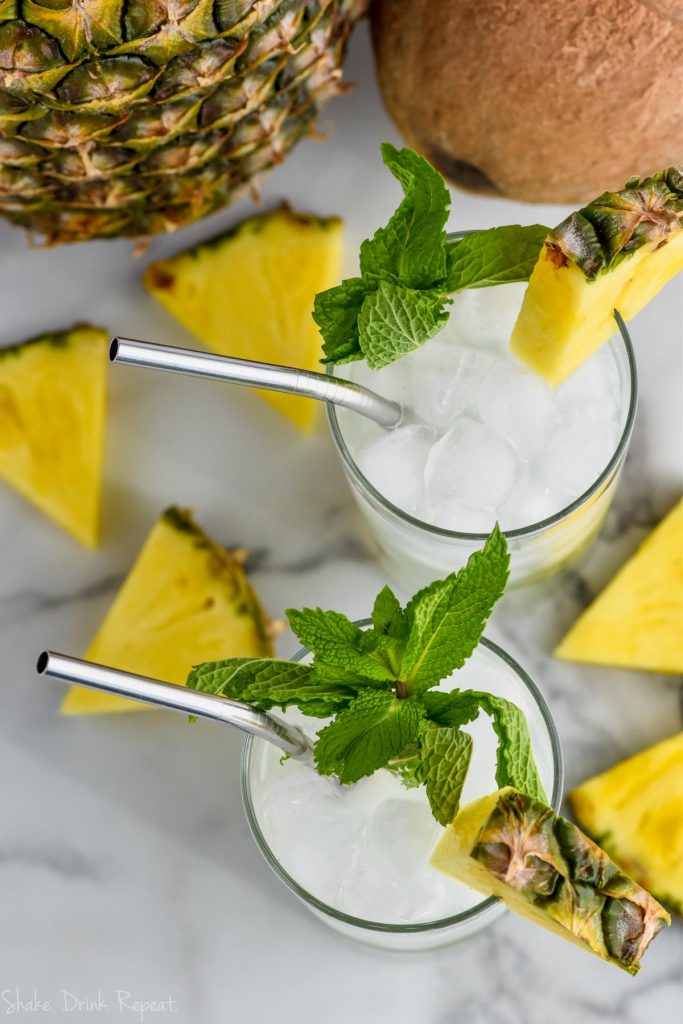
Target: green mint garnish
(395, 320)
(409, 269)
(502, 255)
(446, 620)
(377, 685)
(375, 727)
(268, 683)
(445, 757)
(411, 249)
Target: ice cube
(485, 316)
(394, 463)
(384, 883)
(470, 464)
(595, 387)
(443, 380)
(401, 835)
(454, 515)
(392, 381)
(530, 501)
(517, 404)
(578, 452)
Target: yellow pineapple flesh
(186, 600)
(635, 811)
(637, 620)
(544, 868)
(249, 293)
(53, 396)
(615, 253)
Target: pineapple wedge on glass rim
(615, 253)
(544, 868)
(249, 293)
(53, 398)
(185, 601)
(635, 811)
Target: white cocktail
(487, 440)
(358, 855)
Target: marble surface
(125, 860)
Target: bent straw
(176, 698)
(251, 374)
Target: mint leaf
(445, 757)
(410, 250)
(446, 620)
(335, 639)
(336, 312)
(375, 727)
(387, 614)
(269, 682)
(452, 709)
(396, 320)
(497, 256)
(515, 764)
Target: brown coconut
(540, 100)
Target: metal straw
(176, 698)
(251, 374)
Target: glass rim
(463, 916)
(522, 531)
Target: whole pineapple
(132, 117)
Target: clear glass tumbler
(414, 552)
(261, 761)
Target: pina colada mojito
(359, 855)
(507, 349)
(487, 440)
(433, 779)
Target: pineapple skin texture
(575, 914)
(185, 601)
(119, 117)
(637, 620)
(249, 293)
(53, 398)
(565, 318)
(635, 811)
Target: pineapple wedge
(249, 293)
(635, 810)
(637, 620)
(615, 253)
(185, 601)
(545, 869)
(53, 396)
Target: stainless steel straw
(248, 373)
(176, 698)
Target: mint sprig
(445, 758)
(409, 269)
(375, 727)
(378, 686)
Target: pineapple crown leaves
(608, 229)
(377, 685)
(409, 268)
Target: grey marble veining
(125, 859)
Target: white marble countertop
(125, 859)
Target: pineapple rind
(249, 293)
(634, 812)
(575, 910)
(636, 622)
(126, 118)
(186, 600)
(53, 392)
